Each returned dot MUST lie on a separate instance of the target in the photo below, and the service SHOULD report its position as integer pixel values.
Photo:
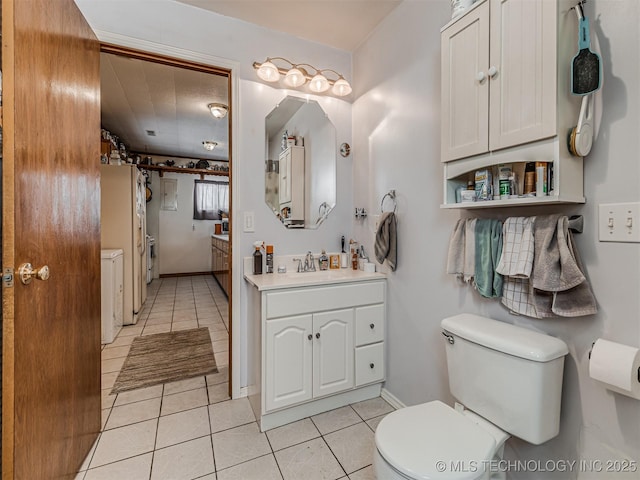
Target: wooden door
(288, 361)
(465, 86)
(333, 352)
(523, 89)
(51, 216)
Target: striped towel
(516, 264)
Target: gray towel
(560, 287)
(554, 267)
(469, 270)
(455, 258)
(386, 242)
(488, 249)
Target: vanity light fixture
(209, 145)
(218, 110)
(296, 76)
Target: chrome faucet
(299, 260)
(309, 263)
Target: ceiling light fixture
(209, 145)
(295, 76)
(218, 110)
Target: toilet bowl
(509, 379)
(434, 441)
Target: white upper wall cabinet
(506, 96)
(499, 84)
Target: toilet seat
(414, 440)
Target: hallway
(190, 429)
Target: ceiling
(342, 24)
(161, 109)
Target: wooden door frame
(142, 50)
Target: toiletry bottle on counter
(269, 261)
(324, 261)
(353, 250)
(257, 259)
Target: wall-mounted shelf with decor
(161, 169)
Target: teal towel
(488, 251)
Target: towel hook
(392, 195)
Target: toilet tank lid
(504, 337)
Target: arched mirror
(300, 165)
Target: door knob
(480, 76)
(493, 71)
(27, 273)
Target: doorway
(160, 109)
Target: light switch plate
(249, 222)
(619, 222)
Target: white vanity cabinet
(505, 81)
(320, 346)
(308, 356)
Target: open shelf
(195, 171)
(516, 202)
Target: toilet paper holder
(591, 350)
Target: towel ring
(392, 195)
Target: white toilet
(509, 382)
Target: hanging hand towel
(516, 263)
(469, 250)
(386, 242)
(560, 287)
(455, 258)
(487, 255)
(517, 247)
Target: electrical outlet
(619, 222)
(249, 221)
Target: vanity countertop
(275, 281)
(220, 237)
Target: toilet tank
(509, 375)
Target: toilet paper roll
(617, 366)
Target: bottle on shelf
(324, 261)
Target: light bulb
(209, 145)
(341, 87)
(268, 72)
(319, 84)
(295, 77)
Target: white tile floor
(191, 429)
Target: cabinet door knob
(480, 76)
(371, 365)
(372, 326)
(318, 335)
(492, 71)
(310, 336)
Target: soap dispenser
(324, 261)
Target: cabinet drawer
(369, 324)
(369, 364)
(317, 299)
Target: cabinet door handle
(371, 365)
(372, 326)
(493, 71)
(310, 336)
(318, 335)
(480, 76)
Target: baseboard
(167, 275)
(391, 399)
(244, 392)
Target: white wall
(396, 144)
